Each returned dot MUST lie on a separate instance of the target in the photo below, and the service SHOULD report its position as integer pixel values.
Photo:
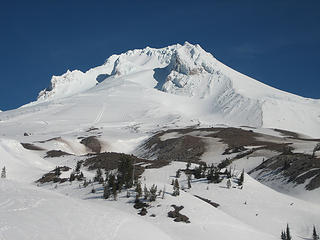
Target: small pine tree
(111, 180)
(178, 173)
(78, 166)
(126, 171)
(228, 172)
(176, 188)
(210, 174)
(153, 193)
(172, 182)
(241, 179)
(107, 176)
(197, 172)
(72, 177)
(138, 190)
(4, 172)
(315, 236)
(288, 235)
(98, 177)
(228, 183)
(57, 171)
(283, 235)
(146, 192)
(114, 191)
(189, 181)
(93, 190)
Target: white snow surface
(29, 212)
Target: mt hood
(188, 83)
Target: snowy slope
(256, 205)
(22, 165)
(29, 212)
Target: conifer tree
(228, 183)
(153, 193)
(146, 192)
(125, 169)
(111, 180)
(98, 177)
(114, 191)
(315, 236)
(228, 172)
(197, 172)
(241, 179)
(283, 235)
(138, 190)
(57, 171)
(4, 172)
(213, 175)
(172, 182)
(176, 188)
(178, 173)
(107, 176)
(189, 181)
(72, 177)
(288, 235)
(78, 166)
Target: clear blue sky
(276, 42)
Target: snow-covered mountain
(226, 96)
(165, 106)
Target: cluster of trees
(285, 234)
(212, 173)
(76, 174)
(115, 182)
(122, 179)
(148, 194)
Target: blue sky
(276, 42)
